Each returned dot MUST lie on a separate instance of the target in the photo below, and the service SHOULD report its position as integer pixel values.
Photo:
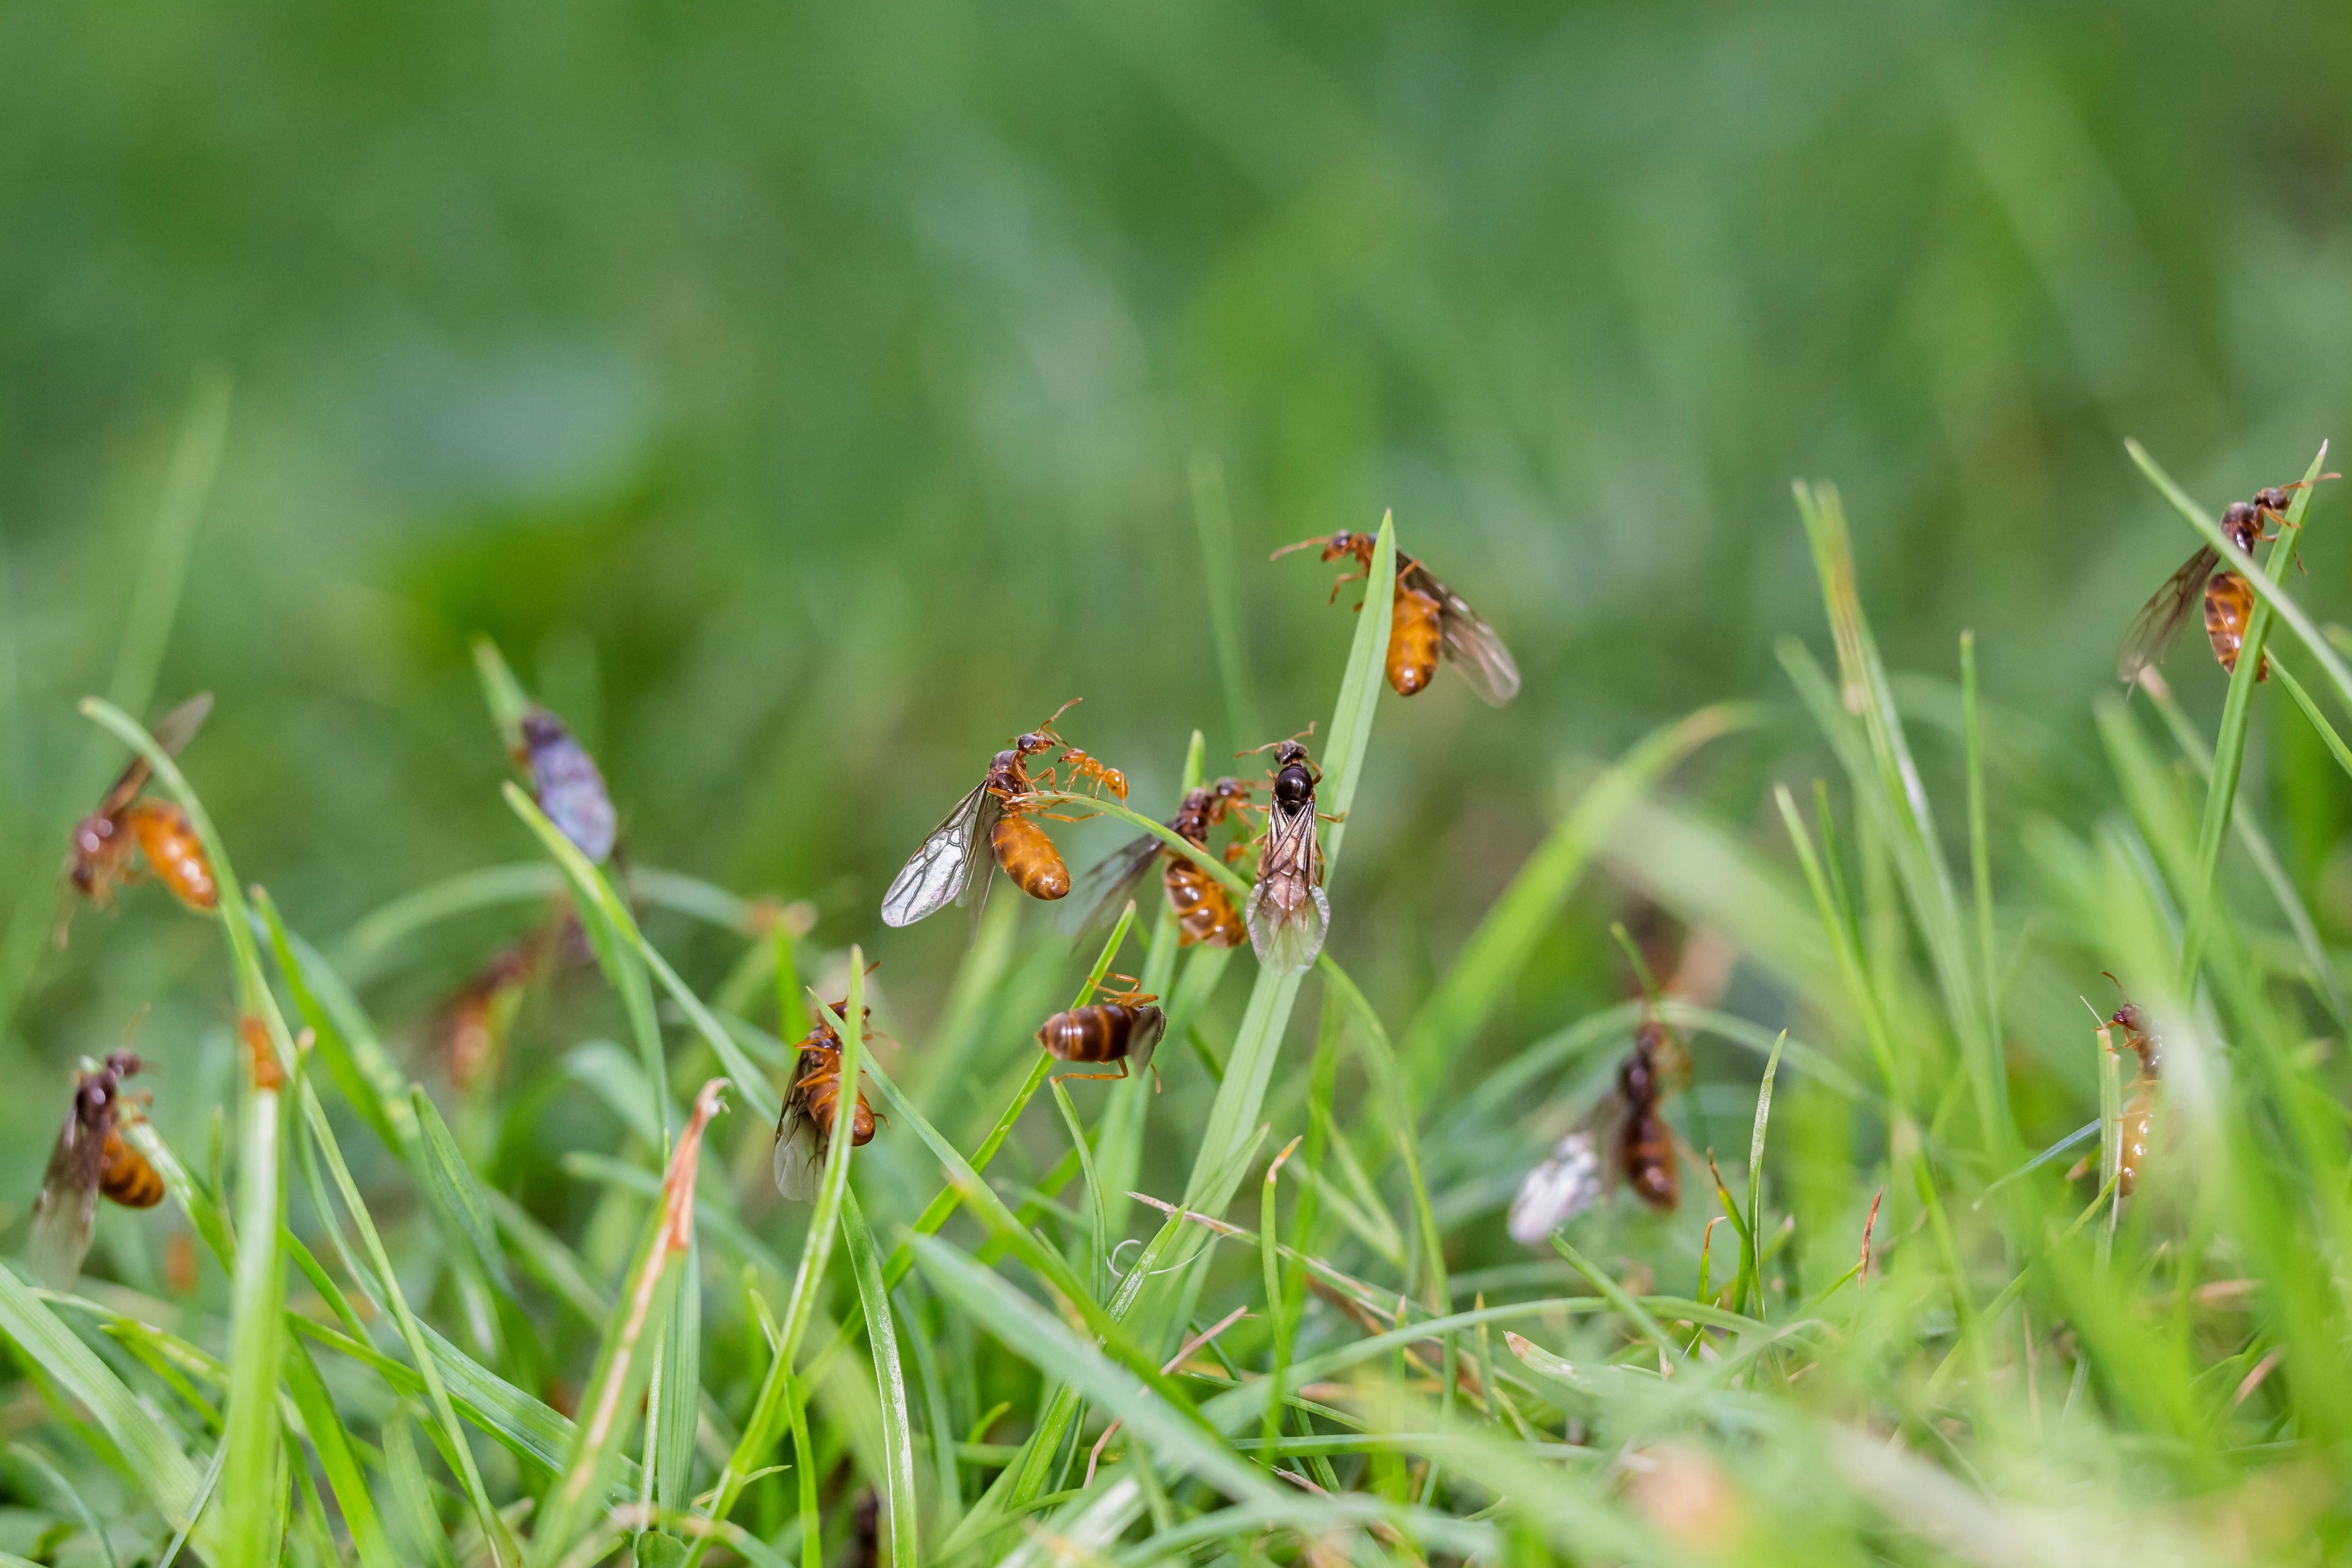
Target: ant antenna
(1270, 745)
(1640, 969)
(1302, 545)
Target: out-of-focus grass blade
(322, 1140)
(1754, 1274)
(363, 951)
(166, 1475)
(147, 622)
(325, 1424)
(1516, 921)
(1888, 781)
(882, 1343)
(1042, 1340)
(588, 885)
(346, 1043)
(1213, 518)
(458, 1191)
(1097, 1263)
(502, 692)
(609, 1404)
(2256, 842)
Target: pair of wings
(1465, 640)
(942, 870)
(171, 731)
(2157, 625)
(68, 1204)
(1288, 937)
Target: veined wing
(2157, 625)
(1557, 1190)
(1287, 913)
(67, 1203)
(171, 731)
(1108, 883)
(1468, 643)
(940, 871)
(799, 1153)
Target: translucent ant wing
(67, 1203)
(1468, 643)
(800, 1153)
(940, 871)
(2157, 625)
(1109, 883)
(1563, 1186)
(1287, 913)
(1141, 1045)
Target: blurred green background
(807, 398)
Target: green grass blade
(1042, 1340)
(1888, 780)
(456, 1192)
(159, 1469)
(767, 1412)
(1756, 1174)
(2335, 746)
(346, 1042)
(1979, 830)
(322, 1140)
(501, 692)
(750, 1084)
(1513, 926)
(882, 1340)
(608, 1405)
(251, 1484)
(324, 1423)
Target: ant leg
(1089, 1076)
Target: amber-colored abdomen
(1205, 915)
(2228, 603)
(823, 1088)
(1414, 631)
(1648, 1160)
(1029, 856)
(2133, 1154)
(175, 853)
(124, 1174)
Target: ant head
(540, 728)
(1346, 542)
(1285, 752)
(1041, 738)
(2128, 1018)
(124, 1063)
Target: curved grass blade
(577, 1496)
(882, 1341)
